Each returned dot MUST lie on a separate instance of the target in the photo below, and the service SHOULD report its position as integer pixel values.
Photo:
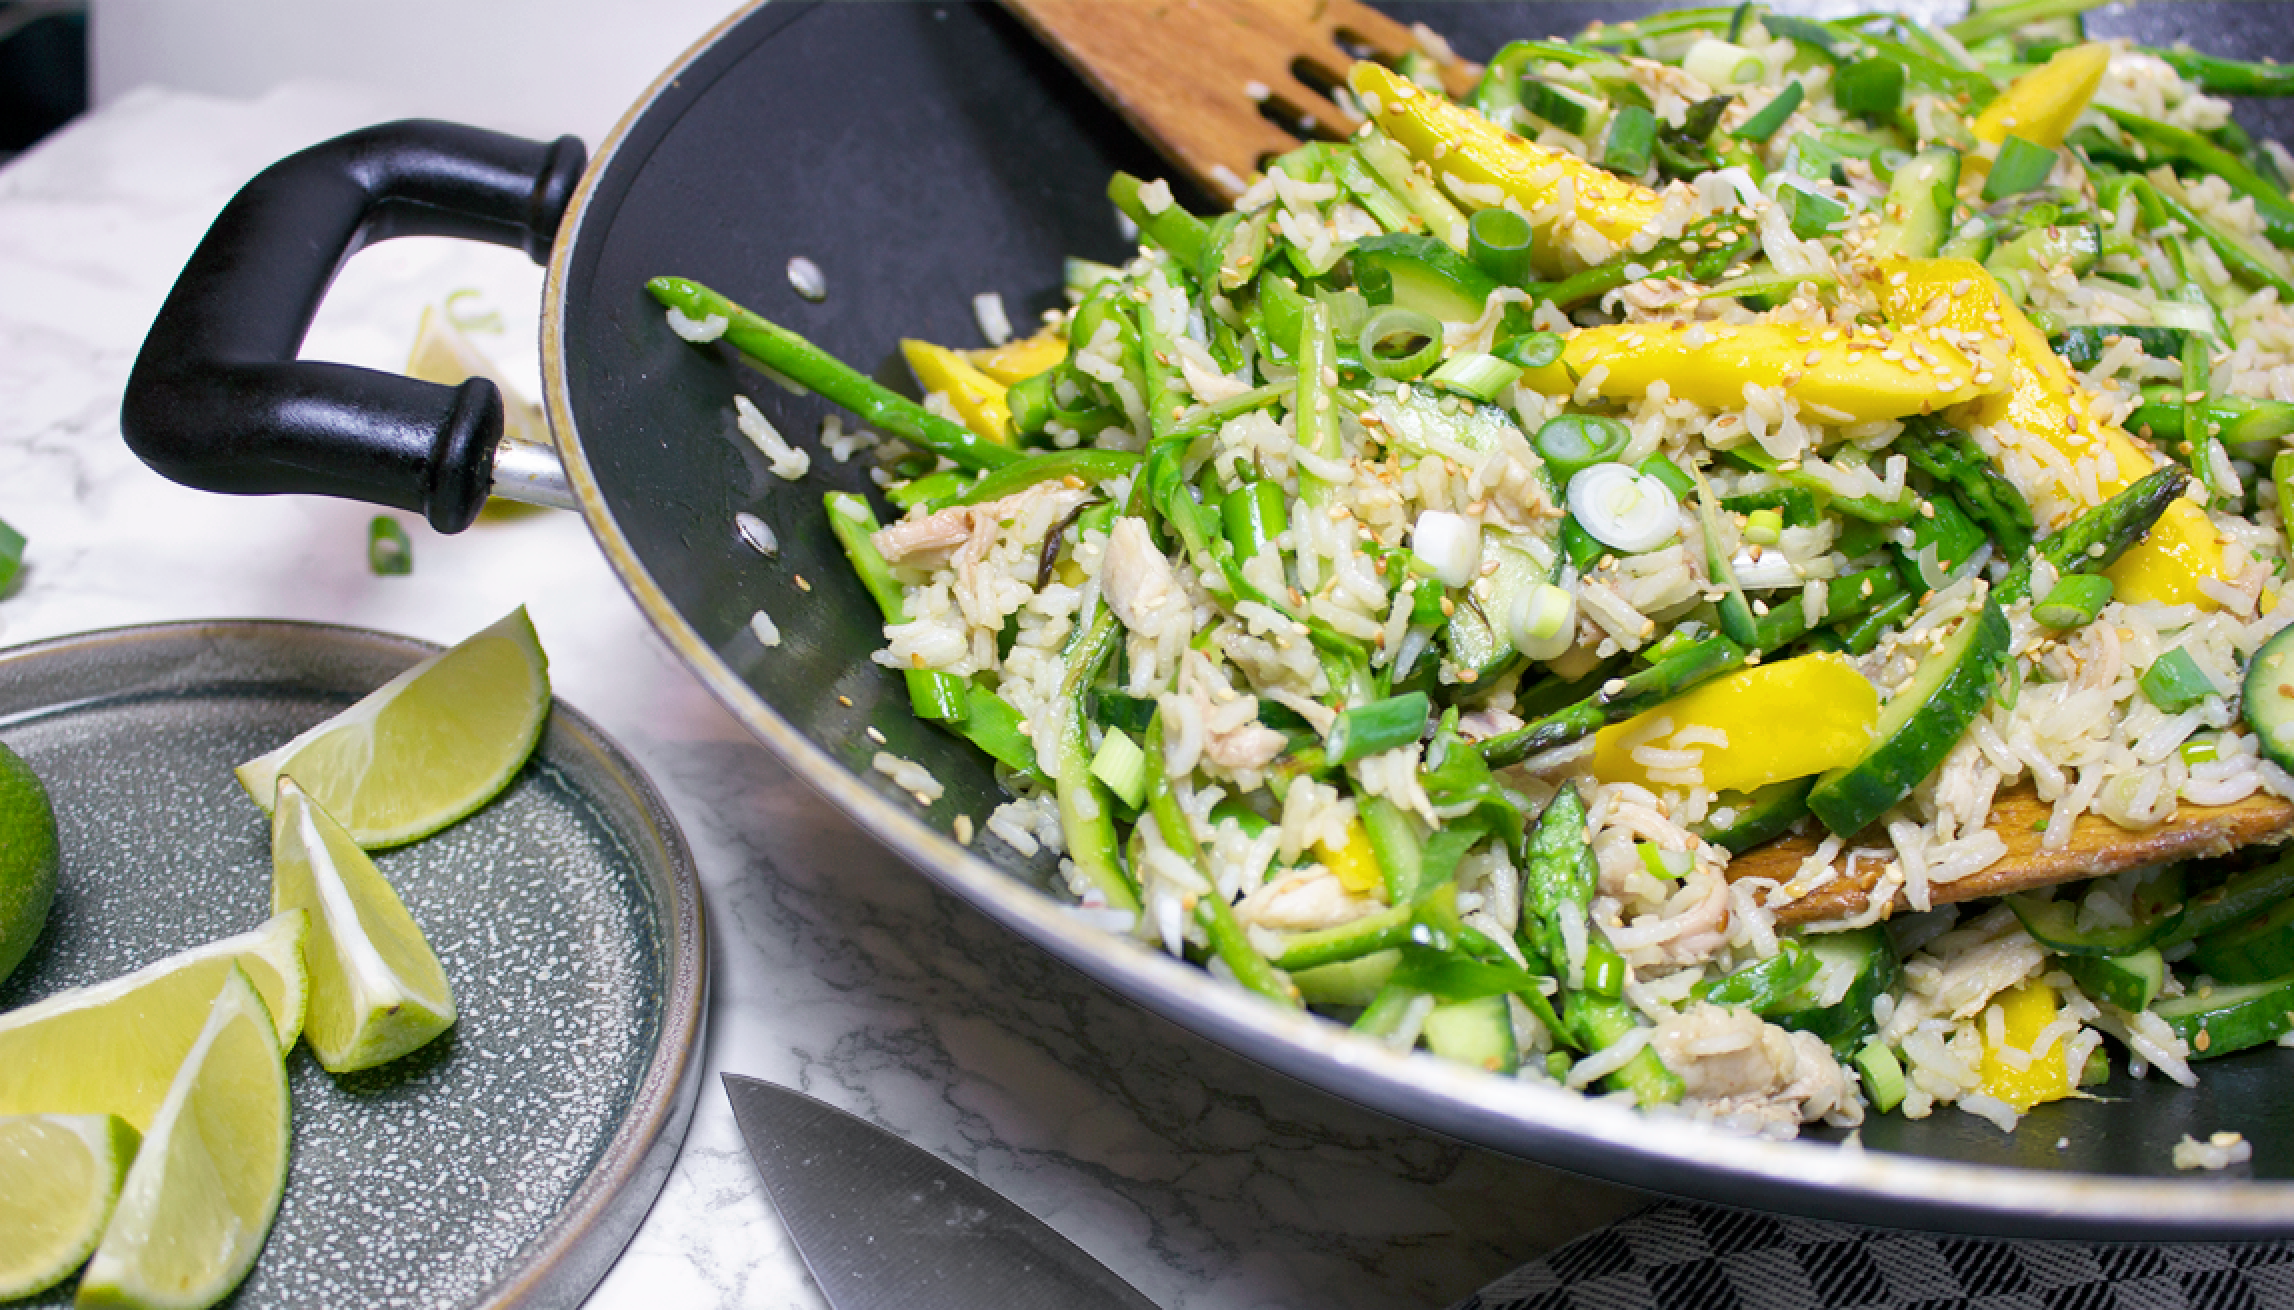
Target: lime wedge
(27, 860)
(376, 989)
(445, 354)
(59, 1175)
(200, 1198)
(113, 1048)
(428, 746)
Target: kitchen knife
(885, 1225)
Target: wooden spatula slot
(1220, 85)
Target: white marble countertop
(1203, 1179)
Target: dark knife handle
(219, 401)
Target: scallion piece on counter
(2022, 166)
(1499, 241)
(1764, 122)
(2074, 602)
(1632, 140)
(388, 551)
(1477, 375)
(2175, 682)
(1378, 727)
(11, 555)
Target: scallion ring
(1499, 240)
(1395, 328)
(1543, 624)
(1570, 442)
(1624, 510)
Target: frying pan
(920, 154)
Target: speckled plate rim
(1672, 1155)
(573, 1253)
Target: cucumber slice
(1882, 1075)
(2250, 951)
(1348, 982)
(2243, 896)
(1477, 1032)
(2270, 697)
(1477, 633)
(1419, 272)
(1852, 970)
(1601, 1022)
(2054, 925)
(2219, 1020)
(1759, 815)
(2130, 982)
(2083, 346)
(1918, 726)
(1916, 217)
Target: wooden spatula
(1193, 75)
(2097, 847)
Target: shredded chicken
(1302, 901)
(1138, 582)
(1735, 1065)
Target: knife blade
(885, 1225)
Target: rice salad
(1604, 577)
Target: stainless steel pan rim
(1539, 1121)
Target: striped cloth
(1697, 1257)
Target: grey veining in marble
(1203, 1179)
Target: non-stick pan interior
(920, 154)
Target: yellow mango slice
(1017, 361)
(2028, 1009)
(2041, 105)
(1457, 143)
(1355, 863)
(978, 398)
(2045, 402)
(1783, 720)
(1839, 377)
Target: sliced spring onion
(1569, 443)
(1812, 215)
(2074, 602)
(1578, 544)
(1763, 124)
(1380, 726)
(1622, 509)
(2281, 478)
(1664, 864)
(1544, 621)
(1386, 340)
(1084, 274)
(387, 549)
(1122, 766)
(1872, 87)
(1765, 526)
(1450, 544)
(1499, 241)
(1532, 350)
(1659, 466)
(2023, 165)
(2175, 682)
(1477, 375)
(1632, 140)
(1721, 64)
(2200, 750)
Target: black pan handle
(219, 401)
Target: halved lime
(113, 1048)
(59, 1175)
(200, 1198)
(376, 989)
(428, 746)
(27, 859)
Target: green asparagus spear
(1228, 940)
(2094, 541)
(801, 361)
(937, 696)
